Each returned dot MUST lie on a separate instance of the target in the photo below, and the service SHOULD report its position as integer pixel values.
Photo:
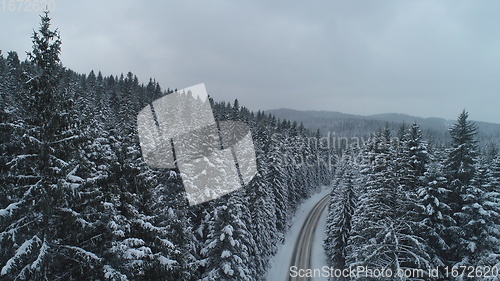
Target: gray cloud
(426, 58)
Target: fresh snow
(84, 253)
(43, 251)
(111, 273)
(71, 175)
(280, 265)
(225, 254)
(22, 250)
(166, 261)
(9, 209)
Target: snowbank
(280, 265)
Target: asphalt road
(302, 252)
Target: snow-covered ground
(280, 265)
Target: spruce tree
(460, 169)
(436, 216)
(385, 231)
(340, 213)
(36, 231)
(227, 250)
(480, 240)
(491, 197)
(277, 181)
(460, 163)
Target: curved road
(302, 251)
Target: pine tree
(461, 161)
(417, 151)
(491, 199)
(384, 232)
(169, 230)
(229, 243)
(278, 182)
(38, 245)
(264, 221)
(480, 240)
(460, 169)
(436, 215)
(340, 213)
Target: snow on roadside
(319, 257)
(280, 265)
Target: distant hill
(434, 129)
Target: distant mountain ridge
(344, 124)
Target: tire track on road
(302, 251)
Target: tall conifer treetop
(45, 54)
(462, 156)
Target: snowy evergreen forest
(401, 203)
(77, 201)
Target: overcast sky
(424, 58)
